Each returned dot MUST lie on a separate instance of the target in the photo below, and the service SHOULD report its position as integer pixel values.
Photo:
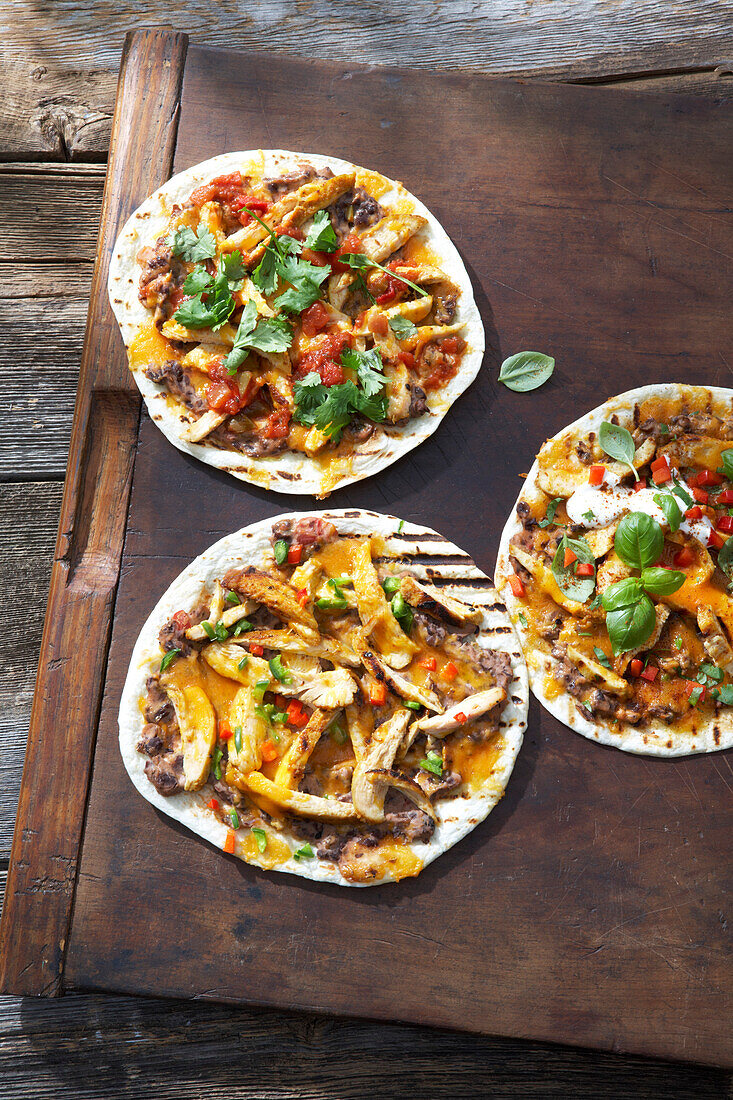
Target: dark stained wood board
(589, 908)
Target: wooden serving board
(590, 908)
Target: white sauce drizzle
(611, 500)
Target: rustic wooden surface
(59, 69)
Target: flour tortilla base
(655, 739)
(250, 545)
(288, 472)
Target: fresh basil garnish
(618, 443)
(525, 371)
(662, 582)
(622, 594)
(550, 513)
(681, 492)
(639, 540)
(629, 627)
(670, 508)
(574, 587)
(726, 469)
(402, 327)
(601, 657)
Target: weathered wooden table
(56, 96)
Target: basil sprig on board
(630, 614)
(574, 587)
(525, 371)
(618, 443)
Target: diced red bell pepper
(694, 513)
(269, 751)
(229, 842)
(640, 484)
(569, 558)
(683, 557)
(636, 667)
(213, 804)
(295, 554)
(449, 671)
(302, 596)
(585, 569)
(596, 475)
(662, 475)
(461, 717)
(658, 463)
(650, 673)
(726, 497)
(225, 730)
(715, 541)
(256, 650)
(429, 663)
(517, 586)
(700, 495)
(725, 523)
(377, 695)
(296, 714)
(708, 477)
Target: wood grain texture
(570, 926)
(572, 38)
(40, 208)
(43, 862)
(29, 515)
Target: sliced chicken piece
(378, 242)
(714, 640)
(374, 611)
(306, 576)
(391, 777)
(291, 768)
(291, 210)
(315, 441)
(434, 601)
(700, 451)
(211, 217)
(429, 334)
(600, 540)
(545, 581)
(228, 618)
(197, 430)
(399, 394)
(457, 716)
(279, 596)
(197, 723)
(598, 672)
(226, 657)
(254, 733)
(360, 721)
(327, 649)
(368, 797)
(310, 805)
(610, 571)
(415, 310)
(561, 471)
(382, 673)
(206, 336)
(251, 293)
(202, 356)
(323, 689)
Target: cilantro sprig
(269, 334)
(331, 408)
(193, 246)
(357, 261)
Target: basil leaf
(402, 327)
(639, 540)
(681, 492)
(601, 656)
(618, 443)
(727, 468)
(662, 582)
(629, 627)
(550, 513)
(321, 235)
(622, 594)
(725, 559)
(280, 550)
(527, 370)
(574, 587)
(169, 659)
(671, 509)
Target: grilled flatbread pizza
(292, 318)
(310, 697)
(617, 566)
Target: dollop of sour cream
(610, 500)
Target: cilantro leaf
(321, 236)
(358, 261)
(232, 265)
(368, 367)
(297, 298)
(264, 275)
(190, 246)
(213, 313)
(268, 334)
(336, 411)
(197, 281)
(331, 408)
(308, 395)
(402, 327)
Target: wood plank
(578, 39)
(42, 870)
(129, 1048)
(49, 215)
(566, 935)
(28, 521)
